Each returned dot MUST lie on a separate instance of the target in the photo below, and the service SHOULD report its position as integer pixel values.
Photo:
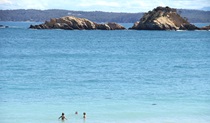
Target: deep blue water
(114, 76)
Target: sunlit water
(114, 76)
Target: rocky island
(160, 18)
(163, 18)
(72, 23)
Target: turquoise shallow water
(113, 76)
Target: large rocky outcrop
(71, 23)
(163, 18)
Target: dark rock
(205, 28)
(2, 26)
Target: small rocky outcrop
(115, 26)
(71, 23)
(163, 18)
(205, 28)
(2, 26)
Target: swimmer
(84, 115)
(62, 117)
(76, 112)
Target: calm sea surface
(114, 76)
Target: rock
(163, 18)
(102, 27)
(71, 23)
(2, 26)
(135, 25)
(77, 23)
(188, 27)
(205, 28)
(115, 26)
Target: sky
(129, 6)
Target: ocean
(124, 76)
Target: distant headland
(160, 18)
(34, 15)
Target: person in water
(62, 117)
(76, 112)
(84, 115)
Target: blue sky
(103, 5)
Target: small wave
(201, 30)
(185, 67)
(177, 66)
(181, 30)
